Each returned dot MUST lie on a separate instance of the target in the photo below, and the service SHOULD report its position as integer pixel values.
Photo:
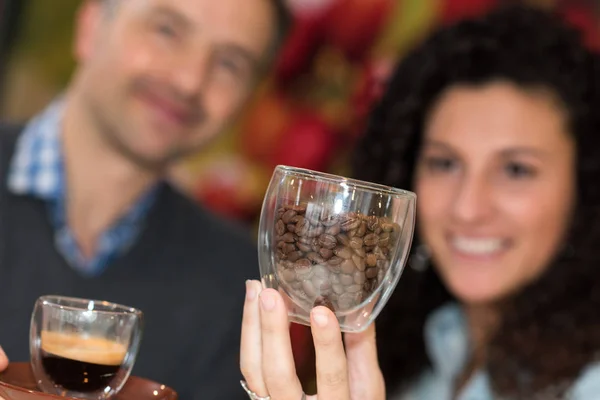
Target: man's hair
(283, 20)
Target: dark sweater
(186, 273)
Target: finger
(251, 342)
(332, 372)
(363, 365)
(279, 370)
(3, 360)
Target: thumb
(3, 360)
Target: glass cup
(333, 241)
(83, 348)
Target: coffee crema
(79, 363)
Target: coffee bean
(326, 253)
(321, 284)
(325, 302)
(288, 248)
(315, 258)
(296, 285)
(314, 231)
(343, 239)
(288, 215)
(346, 279)
(349, 223)
(288, 237)
(314, 219)
(371, 260)
(361, 252)
(335, 260)
(327, 241)
(348, 266)
(371, 239)
(295, 255)
(356, 243)
(372, 223)
(309, 288)
(342, 251)
(333, 230)
(371, 273)
(288, 274)
(359, 278)
(384, 239)
(303, 247)
(353, 288)
(346, 301)
(330, 220)
(279, 228)
(302, 226)
(321, 271)
(337, 288)
(362, 229)
(359, 262)
(291, 228)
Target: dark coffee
(332, 260)
(80, 364)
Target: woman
(493, 123)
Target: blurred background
(308, 113)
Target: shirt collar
(36, 167)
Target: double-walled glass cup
(333, 241)
(83, 348)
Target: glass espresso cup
(83, 348)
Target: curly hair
(550, 330)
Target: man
(84, 211)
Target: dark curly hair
(550, 330)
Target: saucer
(17, 383)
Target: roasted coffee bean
(346, 301)
(303, 247)
(342, 251)
(279, 228)
(353, 288)
(326, 253)
(330, 220)
(359, 278)
(327, 241)
(280, 254)
(335, 260)
(305, 240)
(288, 215)
(356, 243)
(349, 222)
(291, 228)
(314, 219)
(288, 237)
(321, 284)
(346, 279)
(362, 229)
(371, 260)
(359, 262)
(288, 274)
(334, 278)
(296, 285)
(343, 239)
(309, 288)
(302, 226)
(371, 239)
(321, 271)
(315, 246)
(348, 266)
(336, 269)
(325, 302)
(360, 252)
(294, 255)
(372, 223)
(333, 230)
(315, 258)
(371, 273)
(288, 248)
(314, 231)
(338, 288)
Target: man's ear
(87, 24)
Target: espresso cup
(83, 348)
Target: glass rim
(332, 178)
(82, 305)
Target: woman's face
(496, 184)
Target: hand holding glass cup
(83, 348)
(333, 241)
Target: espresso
(80, 364)
(332, 260)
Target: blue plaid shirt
(37, 170)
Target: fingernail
(320, 318)
(268, 301)
(250, 291)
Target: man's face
(160, 78)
